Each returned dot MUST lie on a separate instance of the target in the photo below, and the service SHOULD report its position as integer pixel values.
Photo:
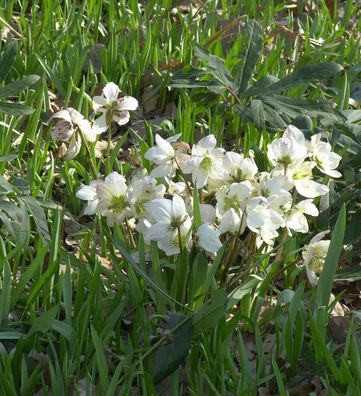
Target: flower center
(232, 203)
(206, 164)
(117, 204)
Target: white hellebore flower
(171, 224)
(285, 152)
(208, 238)
(112, 199)
(326, 160)
(263, 220)
(208, 213)
(239, 168)
(231, 222)
(235, 196)
(294, 133)
(296, 219)
(89, 193)
(164, 155)
(71, 125)
(205, 162)
(142, 189)
(301, 176)
(314, 256)
(113, 107)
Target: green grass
(77, 314)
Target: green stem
(92, 163)
(108, 167)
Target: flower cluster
(234, 197)
(71, 126)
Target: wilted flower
(113, 107)
(72, 126)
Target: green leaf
(197, 211)
(208, 316)
(244, 289)
(38, 216)
(6, 290)
(19, 221)
(213, 86)
(101, 361)
(7, 59)
(147, 279)
(327, 276)
(15, 109)
(8, 158)
(35, 265)
(259, 86)
(216, 66)
(257, 110)
(45, 321)
(14, 88)
(280, 384)
(254, 32)
(167, 358)
(305, 75)
(293, 107)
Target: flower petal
(310, 189)
(111, 91)
(208, 238)
(128, 103)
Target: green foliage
(82, 310)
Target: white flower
(205, 162)
(235, 196)
(142, 189)
(294, 133)
(314, 256)
(231, 222)
(208, 238)
(296, 219)
(285, 152)
(89, 193)
(208, 213)
(310, 189)
(301, 177)
(164, 155)
(179, 188)
(71, 125)
(112, 107)
(262, 220)
(112, 199)
(275, 189)
(326, 160)
(169, 219)
(239, 168)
